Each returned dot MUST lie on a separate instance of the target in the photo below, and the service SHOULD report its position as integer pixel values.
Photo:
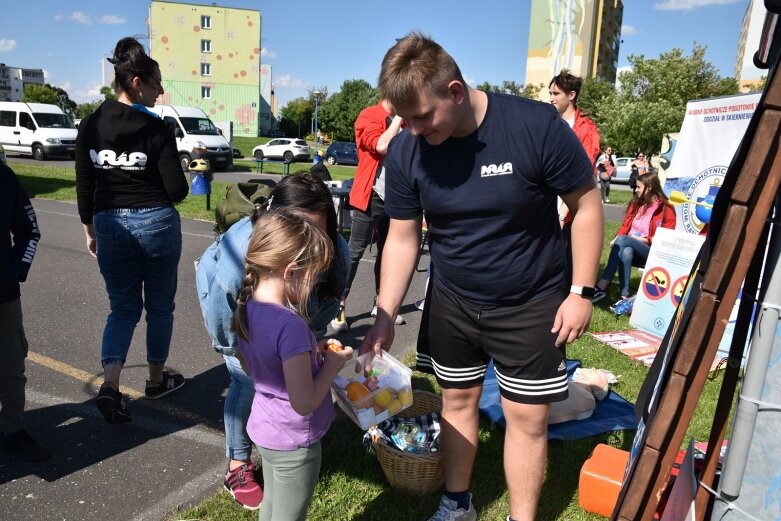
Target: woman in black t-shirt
(128, 177)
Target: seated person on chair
(648, 210)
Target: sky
(311, 44)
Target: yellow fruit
(383, 398)
(394, 407)
(405, 397)
(356, 390)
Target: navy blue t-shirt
(490, 200)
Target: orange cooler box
(600, 479)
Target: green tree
(49, 94)
(296, 116)
(527, 90)
(592, 95)
(652, 98)
(338, 113)
(85, 109)
(108, 93)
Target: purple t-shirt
(277, 334)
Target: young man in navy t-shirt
(487, 169)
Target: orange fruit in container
(356, 390)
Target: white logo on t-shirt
(108, 159)
(501, 169)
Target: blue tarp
(612, 414)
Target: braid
(239, 322)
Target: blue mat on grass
(612, 414)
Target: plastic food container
(371, 389)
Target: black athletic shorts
(458, 338)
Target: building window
(206, 92)
(206, 46)
(206, 22)
(206, 69)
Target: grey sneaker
(399, 318)
(339, 323)
(448, 511)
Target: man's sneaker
(112, 404)
(242, 486)
(449, 511)
(607, 199)
(171, 382)
(599, 294)
(420, 304)
(22, 444)
(339, 323)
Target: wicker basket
(418, 474)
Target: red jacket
(588, 135)
(664, 215)
(369, 126)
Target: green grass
(352, 485)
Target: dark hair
(416, 62)
(653, 191)
(130, 60)
(301, 191)
(568, 83)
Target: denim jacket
(219, 275)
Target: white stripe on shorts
(532, 387)
(451, 374)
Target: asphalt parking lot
(172, 454)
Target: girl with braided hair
(291, 372)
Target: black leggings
(361, 234)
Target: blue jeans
(625, 253)
(241, 391)
(138, 256)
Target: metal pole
(316, 96)
(762, 340)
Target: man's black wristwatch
(583, 291)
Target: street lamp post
(317, 97)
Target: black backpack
(240, 199)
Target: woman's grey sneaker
(399, 318)
(448, 511)
(171, 382)
(112, 404)
(599, 294)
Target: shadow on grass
(42, 186)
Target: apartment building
(583, 36)
(209, 58)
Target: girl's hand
(337, 358)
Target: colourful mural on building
(580, 35)
(560, 33)
(209, 58)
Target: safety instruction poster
(664, 279)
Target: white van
(36, 128)
(193, 129)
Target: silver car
(623, 169)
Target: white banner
(710, 134)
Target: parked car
(341, 152)
(623, 169)
(289, 149)
(237, 153)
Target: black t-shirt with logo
(490, 200)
